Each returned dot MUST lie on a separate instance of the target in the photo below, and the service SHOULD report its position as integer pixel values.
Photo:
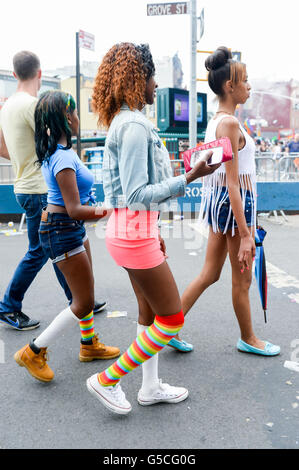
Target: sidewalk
(236, 400)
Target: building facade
(273, 109)
(88, 120)
(8, 85)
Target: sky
(266, 32)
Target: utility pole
(87, 41)
(192, 92)
(78, 87)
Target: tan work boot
(36, 364)
(97, 350)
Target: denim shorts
(61, 237)
(224, 211)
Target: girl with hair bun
(138, 183)
(228, 204)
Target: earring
(48, 132)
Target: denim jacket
(136, 168)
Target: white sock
(66, 319)
(150, 378)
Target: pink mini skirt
(132, 239)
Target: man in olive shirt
(17, 138)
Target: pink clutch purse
(224, 142)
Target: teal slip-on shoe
(270, 349)
(180, 345)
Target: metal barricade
(288, 167)
(269, 168)
(94, 162)
(96, 169)
(265, 167)
(277, 167)
(6, 173)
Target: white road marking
(276, 276)
(279, 278)
(292, 366)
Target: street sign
(159, 9)
(202, 23)
(236, 56)
(86, 40)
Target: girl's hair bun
(218, 59)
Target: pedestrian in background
(292, 148)
(18, 127)
(257, 155)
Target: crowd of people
(277, 147)
(288, 149)
(54, 188)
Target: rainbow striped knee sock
(87, 329)
(145, 346)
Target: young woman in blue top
(62, 232)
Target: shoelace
(97, 342)
(44, 357)
(166, 388)
(117, 392)
(12, 316)
(23, 316)
(162, 385)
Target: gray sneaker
(18, 321)
(99, 307)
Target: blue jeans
(223, 211)
(61, 237)
(34, 259)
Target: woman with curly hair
(138, 183)
(62, 232)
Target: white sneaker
(112, 397)
(164, 393)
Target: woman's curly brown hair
(121, 78)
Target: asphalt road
(236, 401)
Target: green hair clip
(68, 104)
